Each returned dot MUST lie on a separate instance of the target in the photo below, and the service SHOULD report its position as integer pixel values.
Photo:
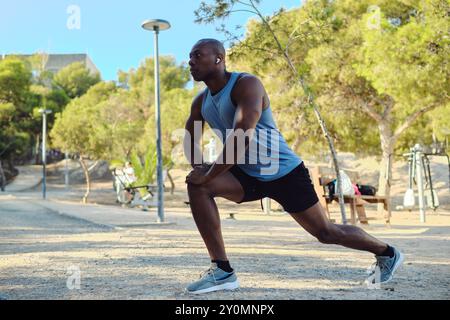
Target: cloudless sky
(110, 30)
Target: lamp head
(156, 25)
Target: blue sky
(109, 31)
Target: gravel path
(42, 252)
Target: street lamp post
(157, 25)
(44, 113)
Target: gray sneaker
(383, 270)
(214, 279)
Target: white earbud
(218, 61)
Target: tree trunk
(2, 178)
(10, 165)
(88, 180)
(93, 166)
(385, 179)
(335, 162)
(172, 183)
(36, 150)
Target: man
(233, 104)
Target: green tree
(175, 108)
(15, 81)
(42, 94)
(75, 79)
(175, 102)
(389, 61)
(372, 68)
(140, 81)
(171, 75)
(80, 128)
(124, 123)
(117, 123)
(26, 87)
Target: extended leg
(316, 223)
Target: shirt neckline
(221, 90)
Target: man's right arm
(194, 126)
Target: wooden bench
(321, 176)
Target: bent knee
(200, 190)
(196, 189)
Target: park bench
(321, 176)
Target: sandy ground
(273, 256)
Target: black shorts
(294, 192)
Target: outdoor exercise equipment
(419, 172)
(430, 193)
(409, 198)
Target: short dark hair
(216, 45)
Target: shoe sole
(225, 286)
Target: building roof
(56, 62)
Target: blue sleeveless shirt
(268, 157)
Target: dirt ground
(274, 258)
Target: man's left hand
(198, 176)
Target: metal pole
(159, 169)
(44, 158)
(427, 170)
(418, 155)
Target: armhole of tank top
(239, 76)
